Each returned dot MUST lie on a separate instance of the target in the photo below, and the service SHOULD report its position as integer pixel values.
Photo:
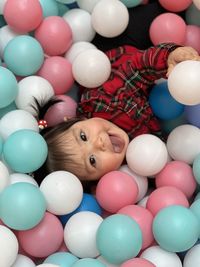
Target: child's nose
(100, 144)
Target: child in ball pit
(95, 142)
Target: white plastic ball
(17, 120)
(80, 23)
(4, 176)
(146, 155)
(91, 68)
(63, 192)
(183, 143)
(110, 18)
(22, 178)
(161, 257)
(142, 181)
(87, 5)
(77, 48)
(33, 87)
(2, 4)
(183, 82)
(23, 261)
(8, 247)
(143, 202)
(6, 35)
(80, 234)
(196, 3)
(192, 258)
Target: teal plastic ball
(176, 228)
(8, 87)
(22, 206)
(23, 55)
(119, 238)
(25, 151)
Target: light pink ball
(22, 15)
(55, 35)
(144, 218)
(193, 37)
(167, 27)
(44, 239)
(175, 6)
(65, 108)
(58, 71)
(178, 174)
(165, 196)
(137, 262)
(116, 190)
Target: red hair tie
(42, 124)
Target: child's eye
(92, 161)
(83, 136)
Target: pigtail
(42, 106)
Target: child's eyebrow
(76, 135)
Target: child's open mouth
(117, 143)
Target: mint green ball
(176, 228)
(119, 238)
(25, 151)
(23, 55)
(22, 206)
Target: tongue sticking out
(117, 143)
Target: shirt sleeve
(150, 63)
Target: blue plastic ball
(175, 228)
(192, 114)
(25, 151)
(8, 87)
(119, 238)
(22, 206)
(88, 262)
(23, 55)
(88, 203)
(164, 106)
(62, 259)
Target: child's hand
(181, 54)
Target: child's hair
(61, 153)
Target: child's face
(102, 144)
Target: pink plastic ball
(165, 196)
(22, 15)
(178, 174)
(167, 27)
(54, 35)
(44, 239)
(144, 2)
(137, 262)
(175, 6)
(58, 71)
(116, 190)
(144, 218)
(193, 37)
(58, 112)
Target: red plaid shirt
(123, 98)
